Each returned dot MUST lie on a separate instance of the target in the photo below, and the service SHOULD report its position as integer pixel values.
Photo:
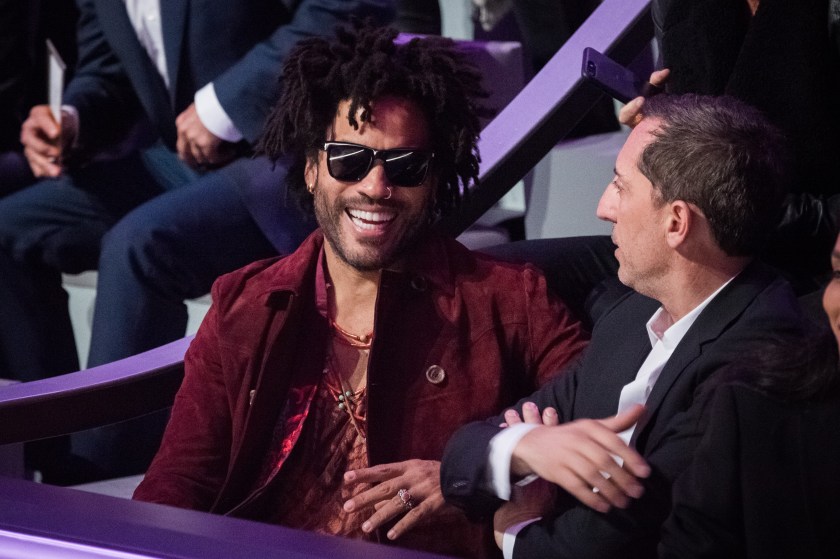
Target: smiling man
(697, 188)
(322, 387)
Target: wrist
(520, 464)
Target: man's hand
(421, 480)
(42, 142)
(196, 145)
(534, 499)
(631, 113)
(527, 502)
(580, 457)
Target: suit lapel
(147, 82)
(623, 345)
(173, 15)
(715, 319)
(280, 369)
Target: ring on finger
(605, 475)
(405, 498)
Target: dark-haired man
(328, 382)
(149, 179)
(697, 188)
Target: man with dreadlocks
(322, 387)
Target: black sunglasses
(352, 162)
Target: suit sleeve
(464, 467)
(249, 88)
(190, 466)
(703, 520)
(576, 531)
(573, 531)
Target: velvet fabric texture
(458, 336)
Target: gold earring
(311, 188)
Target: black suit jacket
(754, 306)
(763, 482)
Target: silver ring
(390, 193)
(605, 475)
(405, 497)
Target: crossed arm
(579, 456)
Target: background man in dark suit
(149, 174)
(697, 187)
(24, 30)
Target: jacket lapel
(147, 82)
(173, 14)
(281, 345)
(715, 319)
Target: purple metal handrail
(38, 521)
(97, 396)
(520, 135)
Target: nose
(607, 203)
(375, 185)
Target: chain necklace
(353, 340)
(347, 400)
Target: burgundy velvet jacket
(458, 336)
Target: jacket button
(435, 374)
(419, 283)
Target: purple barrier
(44, 522)
(98, 396)
(551, 104)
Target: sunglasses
(352, 162)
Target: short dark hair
(362, 64)
(723, 156)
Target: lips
(370, 220)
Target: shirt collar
(660, 327)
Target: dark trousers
(157, 232)
(14, 172)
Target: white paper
(55, 80)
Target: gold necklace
(347, 400)
(353, 340)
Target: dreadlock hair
(362, 64)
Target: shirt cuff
(509, 537)
(213, 116)
(501, 451)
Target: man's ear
(310, 173)
(680, 220)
